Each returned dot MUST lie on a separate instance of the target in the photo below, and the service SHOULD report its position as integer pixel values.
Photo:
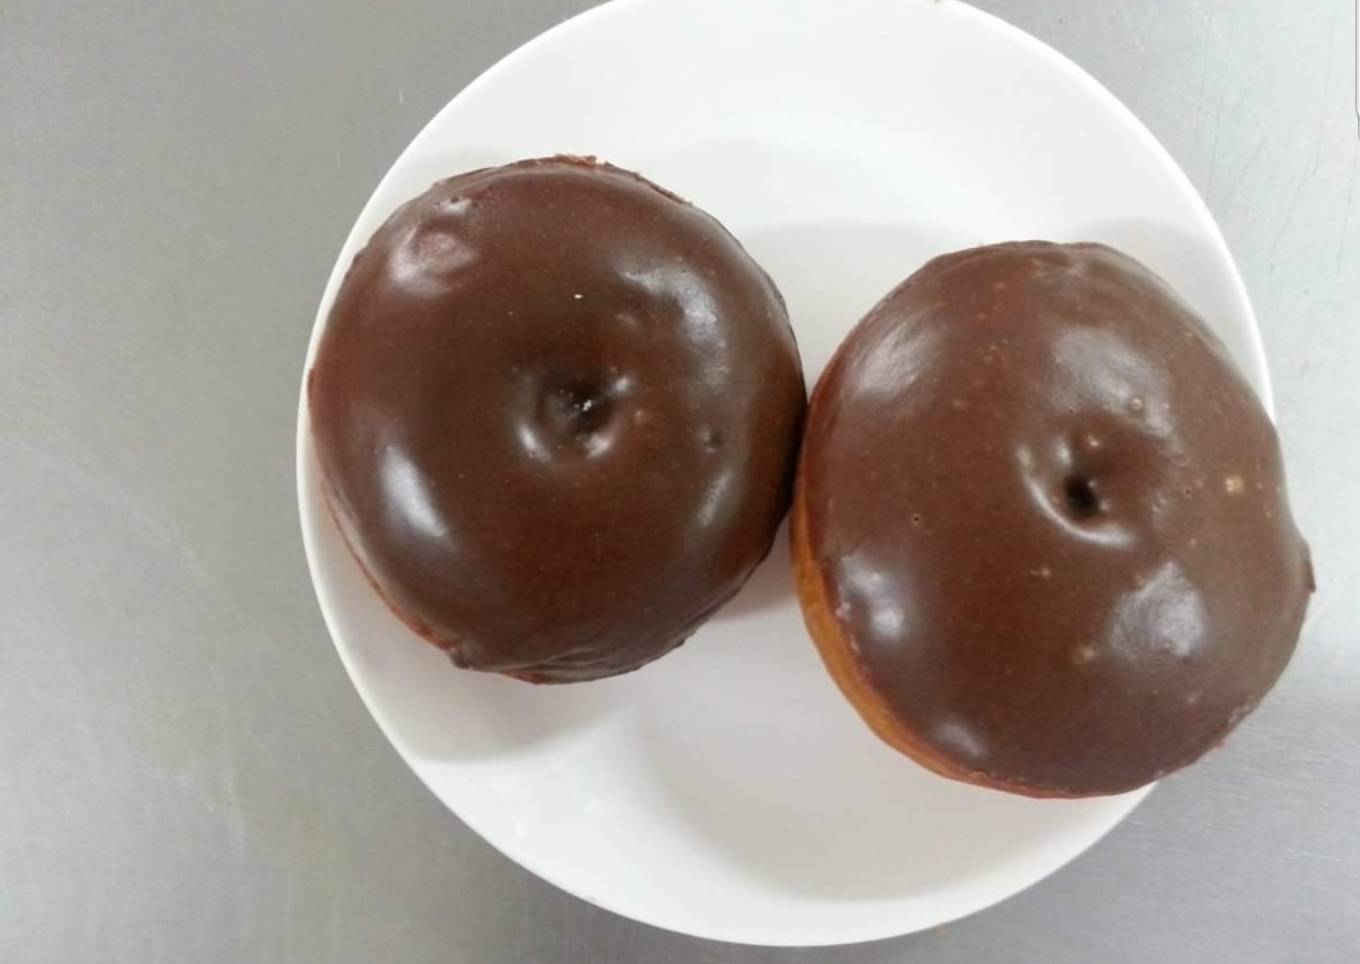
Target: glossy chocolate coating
(556, 410)
(1051, 520)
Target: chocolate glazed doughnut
(1041, 535)
(556, 410)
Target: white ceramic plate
(728, 790)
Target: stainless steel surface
(188, 775)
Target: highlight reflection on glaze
(1165, 616)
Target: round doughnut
(556, 411)
(1040, 532)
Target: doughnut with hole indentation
(556, 410)
(1040, 531)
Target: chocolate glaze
(556, 410)
(1051, 519)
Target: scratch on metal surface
(1122, 8)
(1229, 46)
(152, 527)
(1312, 854)
(1208, 35)
(234, 813)
(1288, 216)
(1323, 112)
(333, 921)
(1143, 48)
(1246, 166)
(1205, 19)
(1346, 212)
